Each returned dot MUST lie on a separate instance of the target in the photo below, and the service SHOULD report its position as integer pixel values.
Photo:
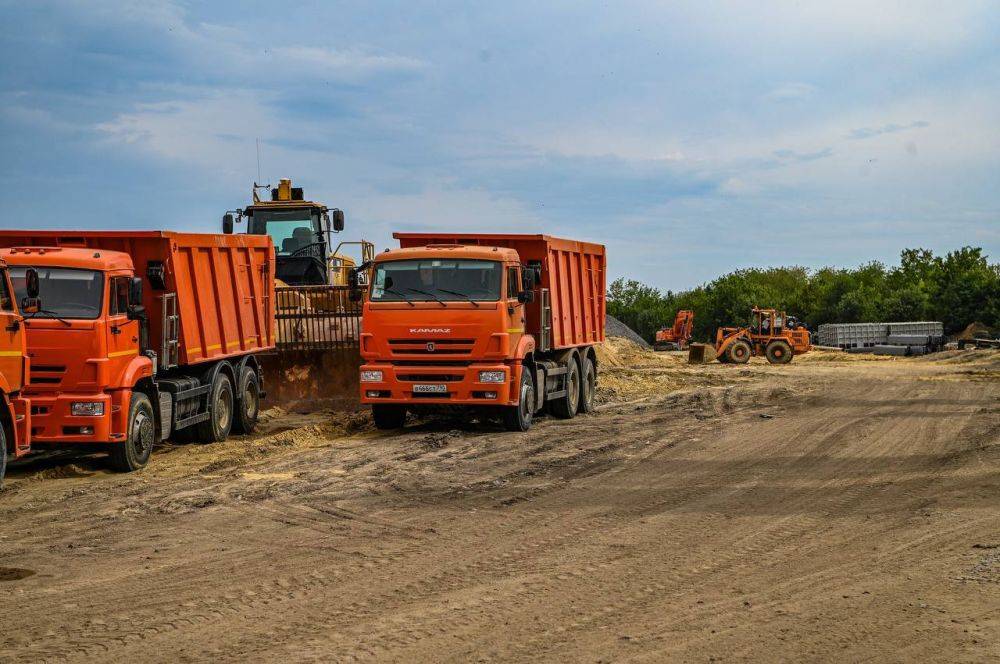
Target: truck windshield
(440, 279)
(64, 292)
(291, 230)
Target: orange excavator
(771, 333)
(678, 336)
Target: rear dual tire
(248, 405)
(221, 411)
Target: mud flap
(166, 407)
(539, 389)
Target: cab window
(6, 301)
(119, 296)
(513, 285)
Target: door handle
(115, 329)
(14, 326)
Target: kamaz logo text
(430, 330)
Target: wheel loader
(771, 333)
(318, 324)
(677, 336)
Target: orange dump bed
(573, 273)
(221, 287)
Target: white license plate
(435, 389)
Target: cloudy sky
(692, 138)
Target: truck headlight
(87, 408)
(371, 376)
(492, 376)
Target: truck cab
(15, 407)
(83, 340)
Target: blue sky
(691, 138)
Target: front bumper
(461, 382)
(52, 422)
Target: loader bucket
(701, 353)
(316, 360)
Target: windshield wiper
(465, 295)
(423, 292)
(402, 295)
(50, 314)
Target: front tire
(739, 353)
(388, 416)
(134, 452)
(3, 454)
(248, 404)
(519, 417)
(588, 386)
(567, 405)
(220, 410)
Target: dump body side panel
(224, 285)
(573, 272)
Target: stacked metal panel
(853, 335)
(930, 328)
(914, 337)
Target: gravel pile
(615, 328)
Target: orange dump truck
(503, 324)
(138, 335)
(15, 411)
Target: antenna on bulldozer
(258, 160)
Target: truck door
(514, 307)
(12, 362)
(123, 334)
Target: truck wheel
(3, 454)
(518, 418)
(739, 353)
(134, 452)
(220, 409)
(778, 352)
(567, 405)
(248, 404)
(388, 416)
(588, 386)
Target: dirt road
(832, 511)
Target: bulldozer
(677, 336)
(315, 313)
(771, 333)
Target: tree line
(958, 288)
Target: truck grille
(431, 346)
(430, 378)
(46, 374)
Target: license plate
(434, 389)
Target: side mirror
(135, 291)
(30, 305)
(227, 224)
(355, 294)
(526, 296)
(31, 285)
(338, 220)
(352, 278)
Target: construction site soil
(840, 508)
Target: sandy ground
(834, 509)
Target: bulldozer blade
(700, 353)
